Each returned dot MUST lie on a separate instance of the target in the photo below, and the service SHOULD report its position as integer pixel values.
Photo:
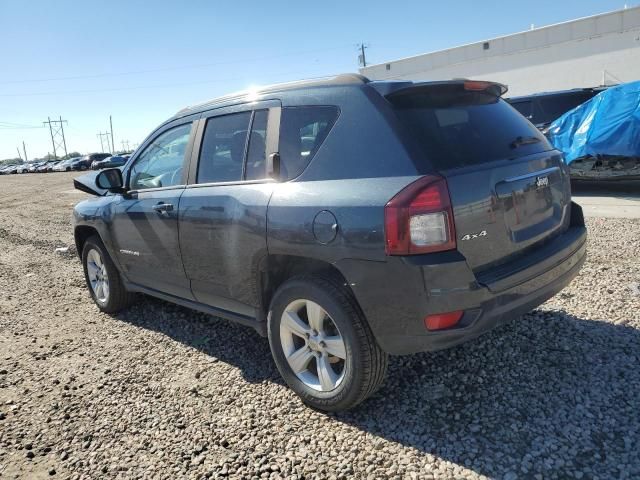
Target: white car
(64, 166)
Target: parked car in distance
(344, 219)
(51, 165)
(8, 169)
(64, 165)
(543, 108)
(110, 162)
(84, 163)
(33, 167)
(47, 166)
(23, 167)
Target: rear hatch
(509, 188)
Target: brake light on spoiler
(494, 88)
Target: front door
(224, 209)
(145, 220)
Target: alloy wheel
(98, 277)
(313, 345)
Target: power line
(12, 124)
(2, 127)
(56, 129)
(182, 67)
(144, 87)
(17, 126)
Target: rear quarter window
(302, 131)
(457, 129)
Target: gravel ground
(162, 392)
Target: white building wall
(603, 49)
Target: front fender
(96, 214)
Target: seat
(238, 142)
(291, 161)
(256, 158)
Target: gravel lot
(162, 392)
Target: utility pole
(362, 57)
(105, 141)
(125, 145)
(113, 148)
(24, 149)
(53, 142)
(19, 156)
(64, 142)
(56, 130)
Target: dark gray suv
(345, 219)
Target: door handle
(163, 207)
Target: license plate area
(532, 204)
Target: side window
(256, 156)
(160, 164)
(223, 148)
(302, 131)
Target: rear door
(224, 208)
(145, 219)
(509, 189)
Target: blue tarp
(608, 124)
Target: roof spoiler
(394, 89)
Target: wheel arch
(81, 234)
(275, 270)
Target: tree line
(47, 157)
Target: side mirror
(273, 166)
(110, 179)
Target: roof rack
(342, 79)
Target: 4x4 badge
(470, 236)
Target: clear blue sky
(143, 61)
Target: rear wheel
(322, 344)
(103, 279)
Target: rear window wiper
(519, 141)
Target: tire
(350, 380)
(115, 297)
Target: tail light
(419, 219)
(442, 321)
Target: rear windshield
(455, 128)
(525, 108)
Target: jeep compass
(345, 219)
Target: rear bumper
(396, 295)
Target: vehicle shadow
(548, 394)
(223, 340)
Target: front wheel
(322, 344)
(103, 279)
